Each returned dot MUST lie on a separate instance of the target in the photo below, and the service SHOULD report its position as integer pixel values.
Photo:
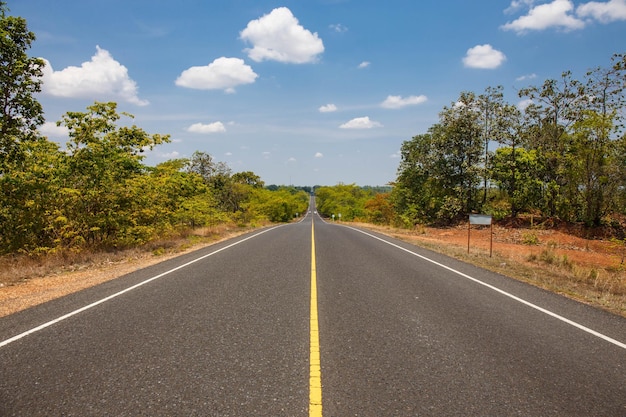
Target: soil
(510, 245)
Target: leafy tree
(554, 107)
(379, 209)
(248, 178)
(20, 112)
(411, 195)
(347, 200)
(513, 171)
(101, 159)
(458, 156)
(31, 217)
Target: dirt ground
(590, 270)
(520, 244)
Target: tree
(458, 156)
(101, 159)
(490, 104)
(20, 112)
(31, 206)
(513, 171)
(248, 178)
(554, 107)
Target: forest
(561, 155)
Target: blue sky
(304, 92)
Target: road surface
(230, 331)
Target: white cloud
(364, 64)
(518, 4)
(319, 155)
(100, 78)
(544, 16)
(604, 12)
(51, 130)
(339, 28)
(526, 77)
(168, 155)
(222, 74)
(215, 127)
(266, 154)
(484, 57)
(278, 36)
(328, 108)
(360, 123)
(523, 104)
(397, 102)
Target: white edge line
(520, 300)
(117, 294)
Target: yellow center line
(315, 376)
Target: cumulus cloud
(557, 14)
(100, 78)
(398, 102)
(278, 36)
(361, 123)
(216, 127)
(51, 130)
(604, 12)
(364, 64)
(222, 74)
(319, 155)
(484, 57)
(328, 108)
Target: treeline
(97, 193)
(563, 155)
(349, 202)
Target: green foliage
(562, 156)
(20, 112)
(281, 205)
(344, 201)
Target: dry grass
(27, 281)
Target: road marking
(117, 294)
(520, 300)
(315, 375)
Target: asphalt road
(225, 331)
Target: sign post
(483, 220)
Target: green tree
(20, 112)
(412, 192)
(554, 107)
(101, 159)
(31, 207)
(513, 169)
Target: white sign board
(481, 219)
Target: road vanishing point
(313, 318)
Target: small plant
(530, 238)
(547, 256)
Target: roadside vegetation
(560, 159)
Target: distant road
(227, 331)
